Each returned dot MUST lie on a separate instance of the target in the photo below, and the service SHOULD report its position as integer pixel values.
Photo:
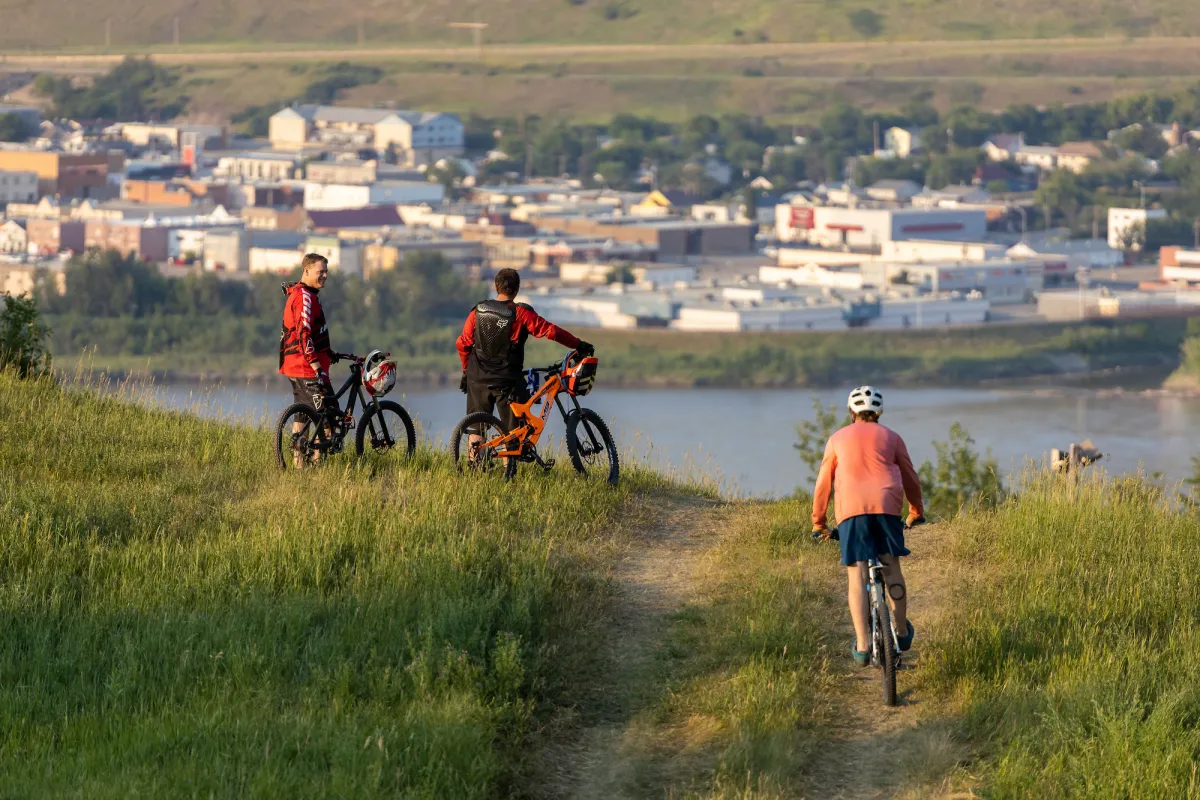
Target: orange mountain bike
(480, 443)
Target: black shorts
(481, 398)
(316, 393)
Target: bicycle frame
(515, 440)
(354, 387)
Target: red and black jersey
(304, 337)
(492, 344)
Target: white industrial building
(999, 281)
(871, 228)
(585, 312)
(340, 196)
(813, 275)
(830, 314)
(812, 314)
(1123, 224)
(940, 250)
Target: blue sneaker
(905, 642)
(863, 659)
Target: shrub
(23, 337)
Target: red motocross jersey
(305, 336)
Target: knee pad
(896, 591)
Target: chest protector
(495, 356)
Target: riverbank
(976, 356)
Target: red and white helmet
(379, 373)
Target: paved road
(882, 50)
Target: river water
(743, 437)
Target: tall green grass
(178, 619)
(1073, 644)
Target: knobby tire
(492, 427)
(408, 439)
(586, 418)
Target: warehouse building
(871, 229)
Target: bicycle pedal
(548, 463)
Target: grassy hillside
(58, 23)
(178, 619)
(1069, 649)
(181, 620)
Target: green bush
(23, 337)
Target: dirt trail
(881, 752)
(655, 578)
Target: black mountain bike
(886, 655)
(305, 437)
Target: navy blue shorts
(867, 535)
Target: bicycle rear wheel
(471, 456)
(593, 451)
(301, 441)
(889, 660)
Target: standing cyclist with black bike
(492, 348)
(304, 352)
(868, 470)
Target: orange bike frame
(515, 439)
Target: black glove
(334, 358)
(462, 384)
(585, 349)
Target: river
(743, 437)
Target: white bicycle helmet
(865, 398)
(379, 373)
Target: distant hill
(72, 24)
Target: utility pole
(176, 30)
(528, 159)
(107, 34)
(1095, 222)
(362, 35)
(876, 138)
(477, 28)
(1196, 232)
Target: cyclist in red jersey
(869, 473)
(304, 351)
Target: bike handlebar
(349, 357)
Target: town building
(900, 142)
(999, 281)
(14, 240)
(894, 191)
(1078, 156)
(413, 137)
(65, 175)
(335, 196)
(1127, 226)
(129, 238)
(49, 237)
(258, 167)
(18, 187)
(1004, 146)
(870, 228)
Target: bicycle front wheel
(591, 446)
(385, 429)
(301, 440)
(889, 660)
(467, 446)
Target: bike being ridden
(868, 470)
(492, 349)
(304, 352)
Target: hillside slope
(63, 23)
